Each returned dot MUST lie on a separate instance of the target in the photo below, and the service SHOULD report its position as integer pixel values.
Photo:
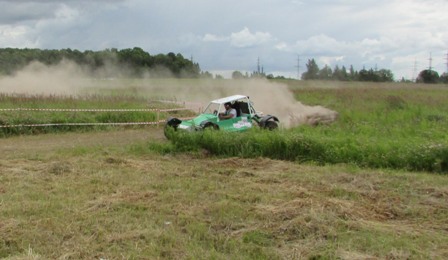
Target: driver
(229, 113)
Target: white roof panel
(228, 99)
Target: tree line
(136, 61)
(373, 75)
(343, 74)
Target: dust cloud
(277, 99)
(268, 97)
(68, 78)
(36, 78)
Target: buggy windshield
(213, 108)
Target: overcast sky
(229, 35)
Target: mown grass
(392, 126)
(108, 202)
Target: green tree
(206, 75)
(353, 75)
(428, 76)
(340, 73)
(237, 75)
(444, 78)
(325, 73)
(312, 70)
(364, 75)
(135, 57)
(385, 75)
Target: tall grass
(382, 127)
(295, 146)
(123, 101)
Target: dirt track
(17, 145)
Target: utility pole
(298, 67)
(446, 63)
(430, 61)
(415, 70)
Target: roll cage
(240, 103)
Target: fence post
(158, 117)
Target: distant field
(371, 185)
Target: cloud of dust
(36, 78)
(268, 97)
(276, 99)
(68, 78)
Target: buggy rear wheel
(171, 127)
(271, 125)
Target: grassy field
(96, 198)
(131, 194)
(393, 126)
(398, 126)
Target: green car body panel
(246, 118)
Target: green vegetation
(394, 126)
(116, 101)
(430, 76)
(342, 74)
(382, 127)
(135, 62)
(131, 194)
(101, 199)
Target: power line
(260, 67)
(298, 67)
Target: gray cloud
(232, 35)
(14, 13)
